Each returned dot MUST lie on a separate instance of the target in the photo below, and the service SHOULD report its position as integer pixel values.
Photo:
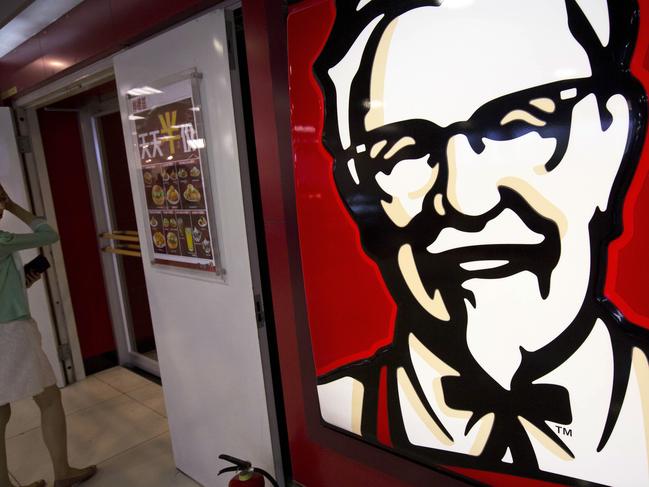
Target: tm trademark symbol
(562, 430)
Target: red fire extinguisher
(247, 475)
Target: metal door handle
(118, 251)
(120, 248)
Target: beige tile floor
(116, 419)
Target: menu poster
(170, 148)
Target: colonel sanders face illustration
(483, 149)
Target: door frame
(26, 107)
(38, 179)
(104, 215)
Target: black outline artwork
(475, 390)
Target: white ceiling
(35, 16)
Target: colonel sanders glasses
(546, 110)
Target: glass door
(118, 236)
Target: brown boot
(79, 476)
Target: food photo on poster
(174, 174)
(473, 173)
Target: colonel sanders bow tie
(535, 403)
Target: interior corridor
(116, 419)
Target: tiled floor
(116, 419)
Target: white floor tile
(148, 465)
(25, 415)
(86, 393)
(95, 435)
(122, 379)
(153, 355)
(151, 396)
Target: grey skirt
(25, 371)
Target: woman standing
(24, 368)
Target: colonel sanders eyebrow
(545, 104)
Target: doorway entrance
(85, 157)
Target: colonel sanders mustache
(437, 253)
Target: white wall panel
(205, 329)
(13, 179)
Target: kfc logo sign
(483, 150)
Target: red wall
(90, 31)
(67, 175)
(628, 270)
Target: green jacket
(13, 294)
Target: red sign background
(350, 311)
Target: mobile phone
(40, 264)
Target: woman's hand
(3, 194)
(31, 278)
(4, 198)
(6, 203)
